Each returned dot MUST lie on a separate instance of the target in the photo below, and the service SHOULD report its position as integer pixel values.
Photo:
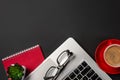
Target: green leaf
(15, 72)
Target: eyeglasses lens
(63, 58)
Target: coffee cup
(107, 56)
(112, 55)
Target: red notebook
(30, 58)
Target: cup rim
(104, 55)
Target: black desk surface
(25, 23)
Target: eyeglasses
(62, 60)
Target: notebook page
(26, 57)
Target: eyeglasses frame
(59, 67)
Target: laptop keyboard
(83, 72)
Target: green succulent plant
(16, 72)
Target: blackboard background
(25, 23)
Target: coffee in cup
(112, 55)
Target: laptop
(81, 67)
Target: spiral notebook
(30, 58)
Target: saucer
(100, 58)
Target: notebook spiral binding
(19, 53)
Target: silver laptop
(68, 62)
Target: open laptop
(82, 67)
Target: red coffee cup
(100, 56)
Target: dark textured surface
(25, 23)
